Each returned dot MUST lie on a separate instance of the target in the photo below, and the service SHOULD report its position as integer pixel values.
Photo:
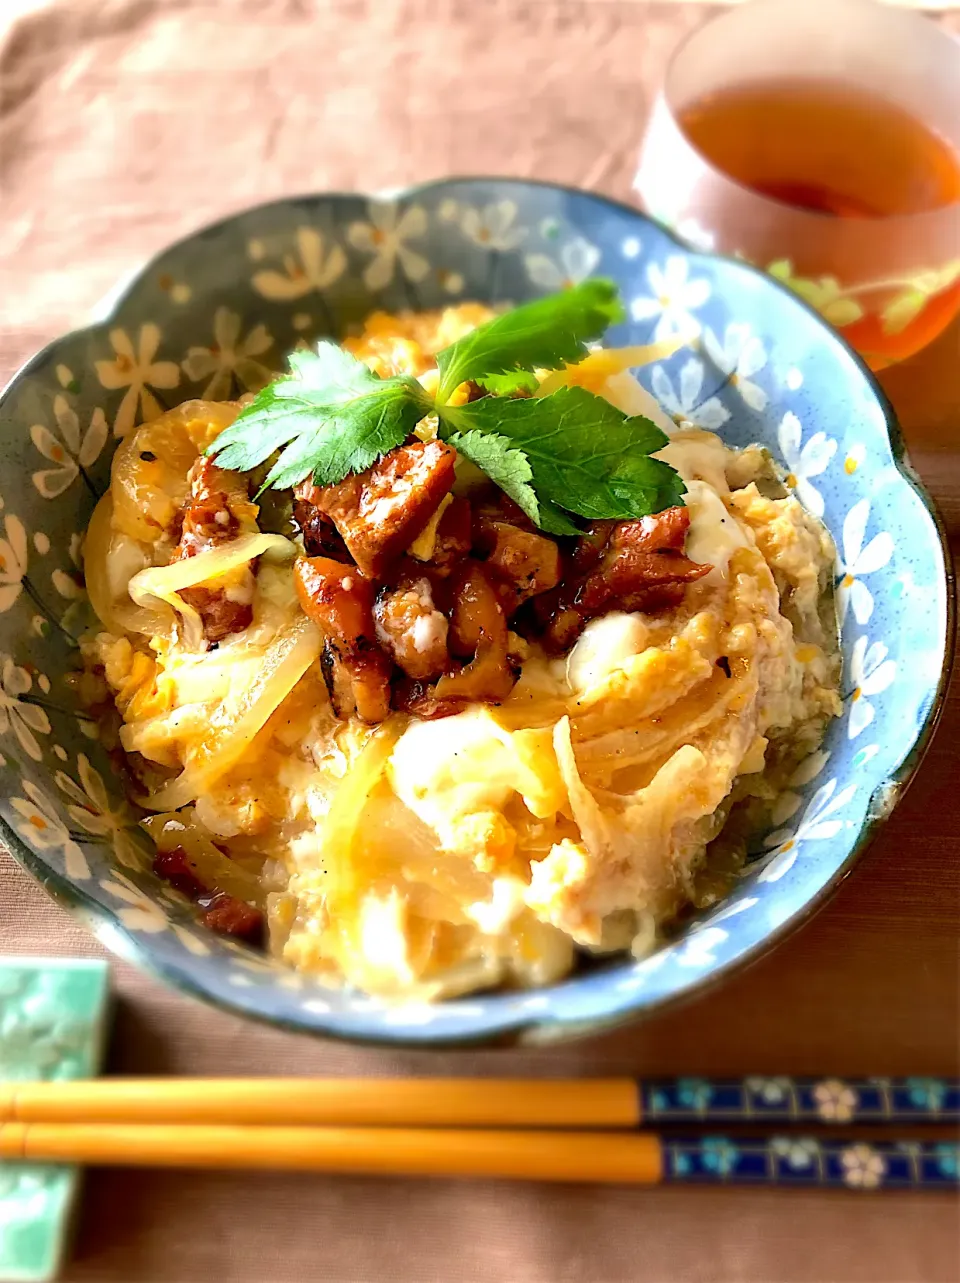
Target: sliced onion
(105, 549)
(214, 869)
(164, 583)
(341, 822)
(587, 812)
(235, 722)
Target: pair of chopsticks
(471, 1127)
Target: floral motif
(863, 1167)
(719, 1155)
(810, 461)
(578, 258)
(772, 1091)
(694, 1093)
(72, 452)
(24, 719)
(926, 1093)
(738, 357)
(814, 826)
(141, 913)
(316, 269)
(858, 560)
(684, 404)
(42, 827)
(871, 673)
(13, 561)
(824, 293)
(385, 237)
(138, 372)
(494, 226)
(230, 358)
(89, 807)
(836, 1101)
(797, 1152)
(789, 802)
(674, 299)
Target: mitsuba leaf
(545, 334)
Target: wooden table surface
(123, 125)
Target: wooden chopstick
(599, 1157)
(482, 1102)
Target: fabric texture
(126, 123)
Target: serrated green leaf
(505, 465)
(508, 384)
(333, 415)
(545, 334)
(586, 456)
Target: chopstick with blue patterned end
(800, 1160)
(800, 1100)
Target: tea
(840, 151)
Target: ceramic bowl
(207, 316)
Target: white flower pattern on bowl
(871, 673)
(40, 822)
(684, 403)
(385, 238)
(72, 453)
(739, 357)
(858, 561)
(803, 463)
(578, 260)
(25, 720)
(89, 807)
(494, 227)
(138, 372)
(815, 826)
(316, 269)
(674, 299)
(230, 359)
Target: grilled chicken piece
(642, 568)
(339, 600)
(218, 510)
(321, 538)
(411, 629)
(381, 511)
(521, 564)
(222, 912)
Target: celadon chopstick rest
(53, 1019)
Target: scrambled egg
(432, 858)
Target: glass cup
(889, 284)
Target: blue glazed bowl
(206, 317)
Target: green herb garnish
(570, 452)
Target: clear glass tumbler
(889, 284)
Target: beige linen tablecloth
(125, 123)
